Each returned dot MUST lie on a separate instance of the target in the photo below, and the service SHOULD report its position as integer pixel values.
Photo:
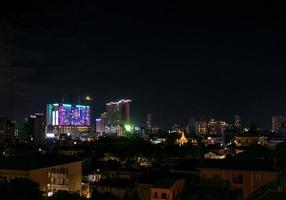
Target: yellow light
(88, 98)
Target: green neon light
(128, 127)
(50, 111)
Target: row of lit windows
(58, 181)
(60, 170)
(163, 195)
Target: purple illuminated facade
(68, 115)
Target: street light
(88, 98)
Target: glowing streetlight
(88, 98)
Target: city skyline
(142, 100)
(172, 63)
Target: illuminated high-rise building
(118, 113)
(22, 132)
(210, 127)
(149, 122)
(68, 119)
(201, 127)
(237, 122)
(101, 123)
(36, 128)
(279, 123)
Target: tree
(131, 194)
(4, 192)
(172, 138)
(24, 189)
(65, 195)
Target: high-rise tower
(118, 113)
(149, 122)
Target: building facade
(279, 123)
(167, 189)
(117, 116)
(247, 179)
(67, 119)
(22, 134)
(210, 127)
(37, 127)
(50, 176)
(118, 113)
(101, 123)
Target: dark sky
(174, 60)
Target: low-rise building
(156, 185)
(117, 187)
(167, 189)
(51, 173)
(245, 141)
(246, 176)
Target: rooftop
(159, 179)
(34, 162)
(262, 165)
(165, 182)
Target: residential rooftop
(257, 165)
(34, 162)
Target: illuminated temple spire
(183, 140)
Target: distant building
(210, 127)
(22, 132)
(116, 186)
(237, 123)
(245, 141)
(7, 130)
(36, 127)
(51, 173)
(118, 113)
(202, 127)
(149, 122)
(67, 119)
(279, 123)
(99, 126)
(101, 123)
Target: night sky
(173, 60)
